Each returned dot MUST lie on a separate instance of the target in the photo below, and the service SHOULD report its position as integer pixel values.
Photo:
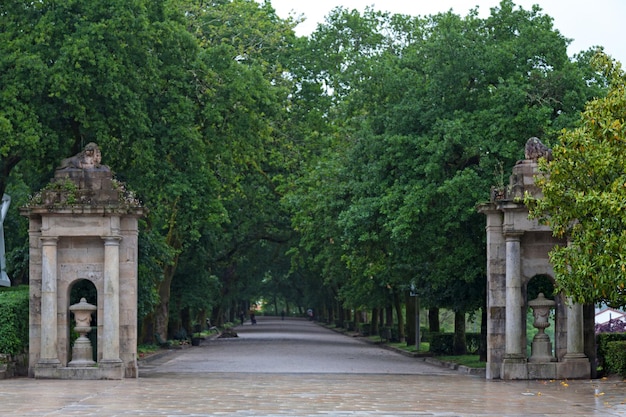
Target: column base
(574, 356)
(574, 368)
(514, 367)
(48, 363)
(111, 368)
(47, 368)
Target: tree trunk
(398, 306)
(216, 314)
(341, 317)
(161, 313)
(147, 330)
(460, 347)
(185, 321)
(389, 316)
(374, 326)
(433, 320)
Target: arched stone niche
(83, 225)
(82, 287)
(517, 251)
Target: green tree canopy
(429, 112)
(584, 193)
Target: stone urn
(541, 350)
(82, 352)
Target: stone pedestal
(82, 352)
(514, 368)
(541, 346)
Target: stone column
(575, 337)
(49, 355)
(514, 299)
(575, 363)
(111, 308)
(496, 290)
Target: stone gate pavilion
(83, 230)
(517, 253)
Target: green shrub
(365, 329)
(472, 340)
(442, 343)
(426, 335)
(602, 341)
(14, 320)
(615, 357)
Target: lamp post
(414, 294)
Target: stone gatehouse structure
(83, 227)
(517, 253)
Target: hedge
(14, 320)
(604, 345)
(615, 357)
(443, 343)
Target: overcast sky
(588, 23)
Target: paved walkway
(296, 368)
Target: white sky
(588, 23)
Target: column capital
(49, 240)
(512, 235)
(111, 240)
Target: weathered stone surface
(517, 251)
(78, 215)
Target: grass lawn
(424, 346)
(471, 361)
(146, 350)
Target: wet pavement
(297, 368)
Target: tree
(188, 110)
(242, 97)
(428, 112)
(72, 72)
(118, 74)
(584, 191)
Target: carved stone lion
(88, 158)
(535, 149)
